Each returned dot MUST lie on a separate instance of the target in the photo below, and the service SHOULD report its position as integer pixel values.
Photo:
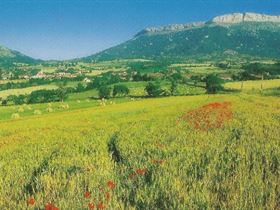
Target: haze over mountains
(231, 35)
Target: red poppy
(140, 171)
(111, 184)
(160, 162)
(107, 195)
(31, 201)
(132, 176)
(101, 205)
(91, 206)
(87, 195)
(50, 206)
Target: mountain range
(233, 35)
(248, 35)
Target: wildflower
(140, 171)
(132, 176)
(31, 201)
(111, 184)
(87, 195)
(107, 195)
(160, 162)
(101, 206)
(91, 206)
(50, 206)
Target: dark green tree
(104, 92)
(173, 87)
(80, 87)
(120, 90)
(213, 84)
(61, 93)
(4, 102)
(153, 89)
(20, 99)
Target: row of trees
(118, 90)
(38, 96)
(154, 89)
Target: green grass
(57, 157)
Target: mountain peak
(245, 17)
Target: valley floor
(193, 152)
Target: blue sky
(63, 29)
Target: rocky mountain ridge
(245, 17)
(170, 28)
(232, 18)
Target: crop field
(254, 84)
(195, 152)
(5, 93)
(6, 81)
(28, 90)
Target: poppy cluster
(100, 205)
(210, 116)
(111, 185)
(49, 206)
(138, 171)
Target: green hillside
(203, 42)
(8, 57)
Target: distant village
(57, 75)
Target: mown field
(192, 152)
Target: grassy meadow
(144, 154)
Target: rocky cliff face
(245, 17)
(170, 28)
